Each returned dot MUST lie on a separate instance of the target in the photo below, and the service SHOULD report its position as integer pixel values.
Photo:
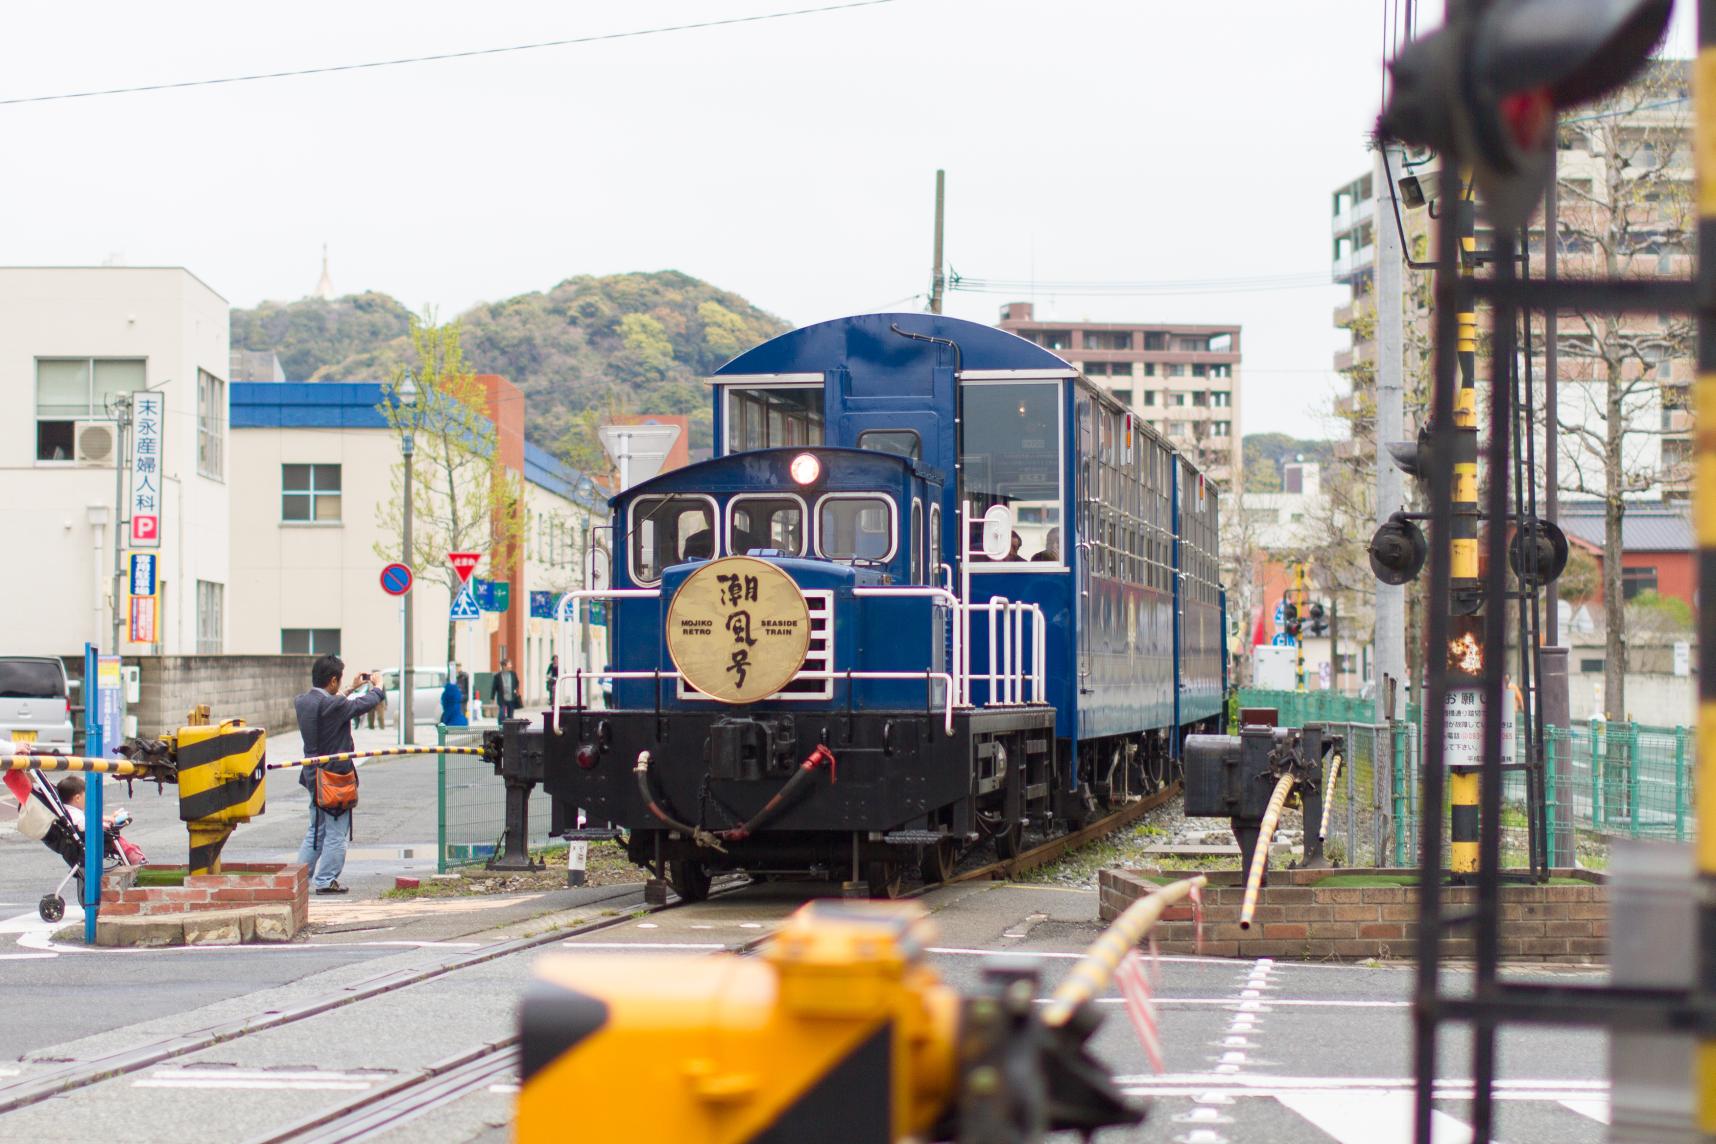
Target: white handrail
(562, 636)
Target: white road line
(1372, 1117)
(1249, 1007)
(505, 1089)
(1449, 1088)
(1597, 1110)
(574, 944)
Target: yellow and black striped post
(221, 784)
(1704, 511)
(1463, 783)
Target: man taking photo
(325, 718)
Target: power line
(471, 53)
(1090, 288)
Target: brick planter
(247, 901)
(1297, 919)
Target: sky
(789, 160)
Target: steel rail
(1056, 847)
(74, 1075)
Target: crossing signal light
(1544, 540)
(1319, 619)
(1291, 622)
(1397, 551)
(1485, 88)
(1414, 458)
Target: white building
(72, 340)
(312, 477)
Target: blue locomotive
(933, 588)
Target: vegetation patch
(161, 876)
(607, 866)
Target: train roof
(870, 341)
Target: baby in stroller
(54, 816)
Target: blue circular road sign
(396, 579)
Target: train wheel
(937, 862)
(690, 880)
(883, 878)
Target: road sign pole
(94, 836)
(405, 697)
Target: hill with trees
(582, 351)
(1265, 453)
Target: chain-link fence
(471, 803)
(1619, 778)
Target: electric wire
(438, 57)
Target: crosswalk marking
(1597, 1110)
(1371, 1117)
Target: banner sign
(143, 573)
(148, 423)
(142, 626)
(493, 595)
(110, 704)
(544, 605)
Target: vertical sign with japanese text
(148, 423)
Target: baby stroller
(43, 816)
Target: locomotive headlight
(805, 468)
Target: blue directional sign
(1281, 615)
(1282, 639)
(142, 573)
(464, 606)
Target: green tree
(463, 496)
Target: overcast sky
(790, 160)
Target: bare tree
(1627, 213)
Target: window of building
(899, 442)
(1221, 399)
(69, 390)
(1221, 428)
(670, 530)
(773, 418)
(1220, 344)
(1179, 428)
(211, 604)
(1200, 370)
(1155, 341)
(766, 522)
(1177, 369)
(1201, 397)
(1055, 339)
(211, 425)
(309, 641)
(1221, 371)
(1176, 399)
(1591, 666)
(1636, 579)
(1194, 345)
(1107, 340)
(1012, 445)
(310, 493)
(855, 526)
(1149, 397)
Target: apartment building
(77, 344)
(1182, 379)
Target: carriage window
(855, 527)
(934, 557)
(766, 522)
(898, 442)
(1012, 456)
(775, 418)
(915, 539)
(670, 530)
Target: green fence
(1621, 779)
(471, 803)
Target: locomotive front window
(855, 526)
(670, 530)
(766, 522)
(899, 442)
(1011, 435)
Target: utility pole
(407, 678)
(1390, 667)
(938, 280)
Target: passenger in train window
(1051, 553)
(1013, 548)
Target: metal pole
(1704, 465)
(1551, 388)
(937, 279)
(94, 837)
(407, 678)
(1390, 294)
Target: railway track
(1065, 844)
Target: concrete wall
(176, 325)
(256, 688)
(1656, 700)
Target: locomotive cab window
(670, 530)
(855, 526)
(766, 522)
(773, 418)
(1012, 456)
(898, 442)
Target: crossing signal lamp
(1291, 622)
(1319, 619)
(1538, 552)
(1485, 88)
(1397, 551)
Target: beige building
(313, 473)
(75, 344)
(1183, 379)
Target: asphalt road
(1252, 1050)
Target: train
(934, 589)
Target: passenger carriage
(983, 597)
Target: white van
(34, 701)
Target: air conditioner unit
(94, 443)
